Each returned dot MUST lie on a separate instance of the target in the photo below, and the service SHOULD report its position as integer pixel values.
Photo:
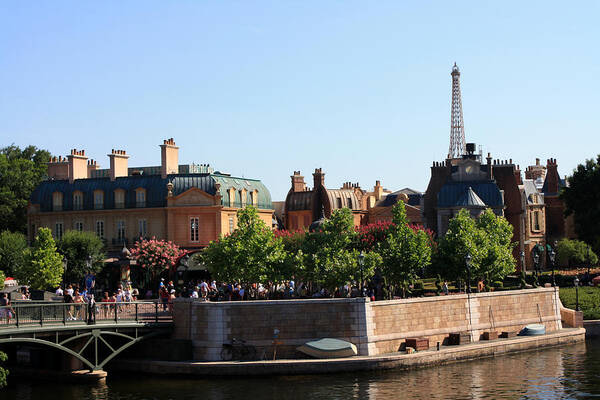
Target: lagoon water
(567, 372)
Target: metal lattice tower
(457, 127)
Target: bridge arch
(94, 336)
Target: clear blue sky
(260, 89)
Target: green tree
(3, 372)
(251, 253)
(486, 240)
(20, 172)
(406, 251)
(581, 198)
(76, 247)
(497, 260)
(574, 253)
(13, 251)
(2, 279)
(328, 258)
(43, 268)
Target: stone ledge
(447, 354)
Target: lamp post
(588, 261)
(468, 264)
(523, 261)
(64, 264)
(576, 282)
(361, 263)
(536, 264)
(552, 256)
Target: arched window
(57, 201)
(77, 200)
(98, 199)
(120, 198)
(140, 197)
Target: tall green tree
(3, 371)
(574, 253)
(582, 197)
(43, 269)
(251, 253)
(13, 251)
(487, 240)
(76, 247)
(406, 252)
(328, 258)
(20, 172)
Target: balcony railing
(46, 314)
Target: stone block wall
(374, 327)
(391, 322)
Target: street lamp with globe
(361, 263)
(552, 256)
(576, 282)
(468, 264)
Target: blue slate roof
(156, 190)
(470, 199)
(452, 192)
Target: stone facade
(190, 205)
(304, 205)
(374, 327)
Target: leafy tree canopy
(574, 253)
(250, 254)
(3, 372)
(13, 251)
(582, 198)
(406, 252)
(43, 269)
(20, 172)
(487, 240)
(76, 247)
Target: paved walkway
(446, 354)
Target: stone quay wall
(374, 327)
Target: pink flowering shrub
(155, 255)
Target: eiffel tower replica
(457, 126)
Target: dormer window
(77, 200)
(119, 198)
(57, 201)
(140, 197)
(231, 197)
(243, 199)
(253, 198)
(98, 199)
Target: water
(567, 372)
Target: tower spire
(457, 127)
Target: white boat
(328, 348)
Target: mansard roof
(470, 199)
(155, 186)
(487, 191)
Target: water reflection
(556, 373)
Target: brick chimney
(552, 177)
(378, 190)
(298, 184)
(318, 178)
(169, 158)
(58, 168)
(77, 165)
(118, 164)
(92, 165)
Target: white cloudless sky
(260, 89)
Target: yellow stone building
(187, 204)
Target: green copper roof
(156, 190)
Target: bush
(589, 300)
(574, 253)
(419, 285)
(497, 284)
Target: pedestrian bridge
(93, 335)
